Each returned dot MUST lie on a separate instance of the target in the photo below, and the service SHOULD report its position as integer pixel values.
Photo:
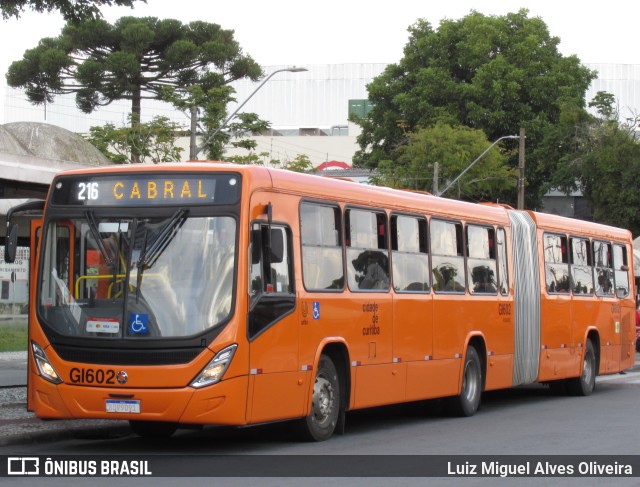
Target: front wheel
(468, 402)
(325, 403)
(586, 383)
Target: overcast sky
(298, 32)
(359, 31)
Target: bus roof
(556, 223)
(335, 189)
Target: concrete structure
(32, 153)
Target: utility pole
(521, 171)
(193, 143)
(435, 177)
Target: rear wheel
(326, 404)
(586, 383)
(153, 429)
(468, 402)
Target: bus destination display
(146, 190)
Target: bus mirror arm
(269, 211)
(11, 243)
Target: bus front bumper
(221, 403)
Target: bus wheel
(467, 403)
(154, 430)
(586, 383)
(325, 403)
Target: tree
(600, 156)
(490, 73)
(133, 59)
(453, 148)
(71, 10)
(153, 141)
(300, 163)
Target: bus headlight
(45, 369)
(215, 369)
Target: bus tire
(468, 401)
(586, 383)
(154, 430)
(326, 404)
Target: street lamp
(473, 163)
(292, 69)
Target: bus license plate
(123, 406)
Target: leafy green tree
(153, 141)
(454, 149)
(300, 163)
(133, 59)
(490, 73)
(73, 10)
(600, 156)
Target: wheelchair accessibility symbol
(138, 324)
(316, 310)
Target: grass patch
(13, 337)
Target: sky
(296, 32)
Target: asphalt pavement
(17, 425)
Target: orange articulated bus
(210, 293)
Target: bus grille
(104, 356)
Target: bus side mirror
(277, 246)
(11, 243)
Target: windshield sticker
(138, 324)
(103, 325)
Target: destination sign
(146, 189)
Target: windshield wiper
(93, 226)
(148, 258)
(143, 250)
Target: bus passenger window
(481, 260)
(367, 254)
(621, 268)
(503, 276)
(322, 260)
(556, 263)
(581, 267)
(603, 271)
(447, 257)
(409, 254)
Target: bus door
(450, 316)
(607, 316)
(276, 385)
(558, 355)
(379, 379)
(624, 324)
(412, 303)
(36, 230)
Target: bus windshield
(136, 278)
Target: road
(13, 369)
(523, 421)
